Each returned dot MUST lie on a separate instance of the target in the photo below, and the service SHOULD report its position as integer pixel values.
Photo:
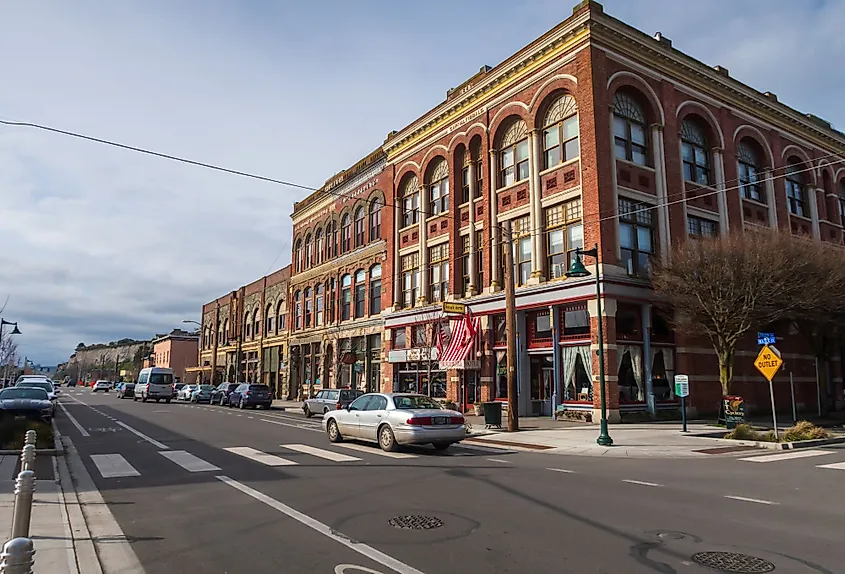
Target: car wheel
(441, 445)
(143, 399)
(221, 400)
(325, 411)
(167, 401)
(134, 399)
(386, 439)
(307, 412)
(333, 432)
(241, 404)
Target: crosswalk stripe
(188, 461)
(320, 453)
(377, 451)
(834, 466)
(786, 455)
(262, 457)
(113, 466)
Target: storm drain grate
(419, 522)
(734, 562)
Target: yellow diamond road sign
(768, 362)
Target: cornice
(324, 197)
(377, 249)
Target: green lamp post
(577, 269)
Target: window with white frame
(795, 194)
(465, 255)
(375, 219)
(696, 158)
(748, 168)
(513, 155)
(319, 303)
(410, 202)
(410, 279)
(560, 132)
(564, 234)
(346, 297)
(521, 245)
(629, 129)
(438, 259)
(360, 293)
(636, 236)
(375, 289)
(701, 227)
(360, 227)
(438, 189)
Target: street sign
(768, 362)
(682, 385)
(766, 338)
(456, 308)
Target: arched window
(309, 306)
(841, 192)
(256, 324)
(309, 252)
(319, 246)
(345, 234)
(629, 129)
(223, 334)
(360, 293)
(297, 313)
(319, 303)
(331, 240)
(375, 289)
(795, 188)
(748, 168)
(247, 326)
(331, 299)
(375, 219)
(345, 297)
(297, 256)
(513, 154)
(410, 202)
(438, 188)
(694, 152)
(281, 321)
(360, 227)
(270, 322)
(560, 132)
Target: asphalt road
(190, 506)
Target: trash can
(493, 414)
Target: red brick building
(594, 133)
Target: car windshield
(259, 388)
(129, 385)
(206, 387)
(22, 392)
(37, 385)
(412, 402)
(161, 379)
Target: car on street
(220, 395)
(201, 394)
(394, 419)
(126, 391)
(250, 395)
(329, 400)
(184, 393)
(155, 383)
(27, 403)
(39, 384)
(101, 386)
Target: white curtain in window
(587, 361)
(636, 364)
(669, 364)
(568, 357)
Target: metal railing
(18, 554)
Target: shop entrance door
(470, 390)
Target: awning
(462, 343)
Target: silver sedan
(396, 419)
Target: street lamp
(15, 331)
(577, 270)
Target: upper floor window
(309, 252)
(795, 189)
(636, 236)
(345, 234)
(438, 258)
(331, 299)
(629, 129)
(319, 246)
(345, 297)
(280, 314)
(465, 255)
(700, 227)
(748, 168)
(410, 202)
(331, 240)
(319, 303)
(410, 279)
(247, 328)
(297, 256)
(375, 219)
(360, 227)
(694, 152)
(564, 234)
(513, 157)
(309, 307)
(375, 289)
(438, 188)
(297, 313)
(360, 293)
(256, 324)
(842, 202)
(560, 132)
(522, 251)
(399, 338)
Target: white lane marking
(342, 568)
(113, 466)
(561, 470)
(320, 453)
(757, 500)
(289, 425)
(188, 461)
(150, 440)
(499, 460)
(262, 457)
(641, 483)
(73, 421)
(377, 451)
(326, 531)
(786, 455)
(834, 466)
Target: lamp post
(15, 331)
(577, 270)
(199, 348)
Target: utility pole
(510, 329)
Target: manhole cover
(420, 522)
(733, 562)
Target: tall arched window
(281, 321)
(319, 246)
(297, 256)
(694, 152)
(438, 188)
(224, 335)
(410, 202)
(360, 227)
(795, 195)
(345, 297)
(360, 293)
(375, 219)
(309, 306)
(319, 304)
(309, 252)
(375, 289)
(297, 313)
(331, 299)
(513, 154)
(247, 326)
(841, 193)
(331, 240)
(345, 234)
(748, 168)
(256, 324)
(629, 129)
(560, 132)
(270, 322)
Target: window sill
(755, 202)
(708, 186)
(408, 227)
(634, 164)
(801, 217)
(438, 216)
(512, 186)
(567, 163)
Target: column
(423, 247)
(473, 247)
(721, 197)
(534, 206)
(397, 260)
(768, 174)
(649, 387)
(611, 365)
(557, 396)
(659, 154)
(493, 210)
(812, 195)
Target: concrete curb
(778, 445)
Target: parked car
(250, 395)
(27, 403)
(154, 383)
(329, 400)
(220, 395)
(184, 393)
(101, 386)
(127, 390)
(201, 394)
(396, 419)
(39, 384)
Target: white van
(154, 383)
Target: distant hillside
(129, 353)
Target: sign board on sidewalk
(768, 362)
(734, 408)
(766, 338)
(682, 385)
(456, 308)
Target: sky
(100, 243)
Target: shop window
(577, 374)
(630, 373)
(399, 341)
(629, 322)
(576, 322)
(500, 332)
(539, 329)
(661, 328)
(420, 339)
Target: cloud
(100, 243)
